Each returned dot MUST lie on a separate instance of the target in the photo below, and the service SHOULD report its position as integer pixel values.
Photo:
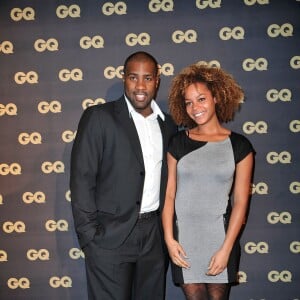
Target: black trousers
(136, 270)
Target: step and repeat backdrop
(59, 57)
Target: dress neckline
(187, 134)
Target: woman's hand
(177, 254)
(218, 263)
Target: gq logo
(252, 2)
(212, 63)
(189, 36)
(260, 64)
(260, 188)
(164, 5)
(242, 277)
(68, 195)
(142, 39)
(202, 4)
(294, 125)
(41, 45)
(1, 199)
(13, 169)
(31, 77)
(9, 109)
(33, 138)
(283, 217)
(10, 227)
(119, 8)
(260, 127)
(76, 253)
(284, 276)
(236, 33)
(274, 95)
(55, 167)
(17, 14)
(22, 283)
(295, 62)
(285, 30)
(283, 157)
(56, 282)
(110, 72)
(54, 106)
(6, 47)
(295, 187)
(33, 254)
(3, 256)
(87, 42)
(166, 69)
(68, 136)
(37, 197)
(294, 247)
(90, 102)
(60, 225)
(66, 75)
(260, 247)
(73, 11)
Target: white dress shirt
(151, 142)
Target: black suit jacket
(107, 173)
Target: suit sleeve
(85, 159)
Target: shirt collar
(155, 108)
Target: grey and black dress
(205, 173)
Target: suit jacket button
(142, 173)
(138, 203)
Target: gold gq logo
(285, 30)
(31, 77)
(202, 4)
(10, 227)
(250, 64)
(76, 253)
(252, 2)
(27, 14)
(42, 254)
(164, 5)
(295, 247)
(242, 277)
(63, 11)
(142, 39)
(68, 195)
(260, 188)
(56, 167)
(283, 157)
(7, 47)
(53, 106)
(87, 42)
(68, 136)
(3, 256)
(294, 125)
(166, 69)
(260, 247)
(13, 169)
(22, 283)
(212, 63)
(259, 127)
(283, 217)
(110, 72)
(284, 276)
(236, 33)
(1, 199)
(90, 102)
(120, 8)
(33, 138)
(41, 45)
(60, 225)
(66, 75)
(189, 36)
(56, 282)
(295, 62)
(9, 109)
(283, 95)
(295, 187)
(37, 197)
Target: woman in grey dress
(207, 163)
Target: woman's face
(199, 103)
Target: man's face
(140, 85)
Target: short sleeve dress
(205, 173)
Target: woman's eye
(188, 103)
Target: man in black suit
(118, 181)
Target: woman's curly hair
(224, 88)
